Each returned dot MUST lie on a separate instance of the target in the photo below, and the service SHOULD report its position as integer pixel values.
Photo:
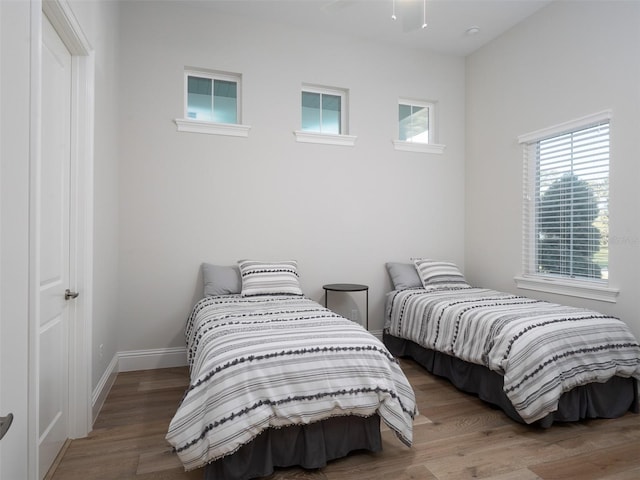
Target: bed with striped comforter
(267, 362)
(541, 349)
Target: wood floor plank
(157, 461)
(593, 464)
(633, 474)
(456, 436)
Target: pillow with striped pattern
(269, 278)
(433, 273)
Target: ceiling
(448, 21)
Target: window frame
(595, 289)
(186, 124)
(431, 146)
(311, 136)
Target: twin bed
(538, 361)
(278, 380)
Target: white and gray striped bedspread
(542, 349)
(262, 362)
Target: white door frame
(68, 28)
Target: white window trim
(589, 289)
(420, 147)
(198, 126)
(571, 288)
(342, 139)
(190, 125)
(325, 138)
(564, 127)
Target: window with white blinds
(566, 207)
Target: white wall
(342, 212)
(569, 60)
(99, 21)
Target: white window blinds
(566, 208)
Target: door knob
(68, 294)
(5, 423)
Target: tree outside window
(568, 240)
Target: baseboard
(134, 360)
(102, 389)
(152, 359)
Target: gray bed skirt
(596, 400)
(309, 446)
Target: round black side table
(348, 287)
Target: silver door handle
(5, 423)
(68, 294)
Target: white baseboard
(101, 391)
(152, 359)
(134, 360)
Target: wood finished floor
(456, 436)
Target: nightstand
(348, 287)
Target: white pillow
(269, 278)
(433, 273)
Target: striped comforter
(542, 349)
(261, 362)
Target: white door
(52, 224)
(15, 89)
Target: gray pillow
(403, 275)
(221, 280)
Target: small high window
(212, 97)
(417, 127)
(414, 121)
(323, 117)
(212, 103)
(322, 112)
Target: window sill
(325, 138)
(418, 147)
(571, 288)
(210, 128)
